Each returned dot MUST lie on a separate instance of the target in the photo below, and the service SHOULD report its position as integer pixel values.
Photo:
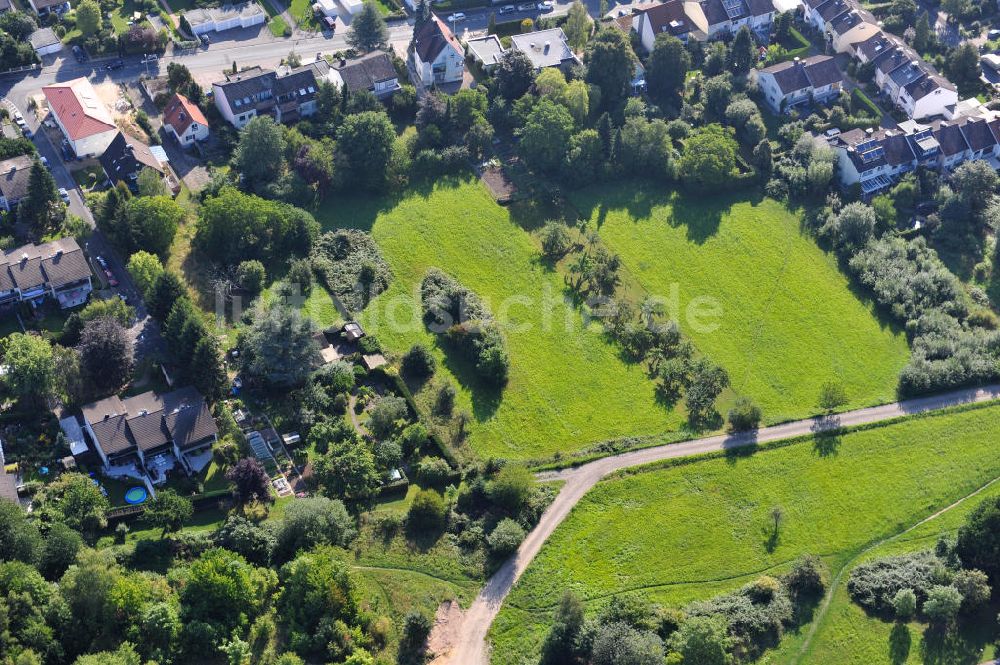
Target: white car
(64, 195)
(545, 6)
(456, 17)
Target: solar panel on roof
(865, 146)
(871, 155)
(733, 7)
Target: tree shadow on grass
(942, 646)
(900, 642)
(827, 435)
(485, 396)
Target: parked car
(100, 261)
(993, 34)
(45, 161)
(507, 9)
(79, 53)
(64, 195)
(526, 7)
(111, 278)
(456, 17)
(151, 57)
(117, 64)
(545, 6)
(27, 132)
(205, 40)
(19, 119)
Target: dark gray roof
(891, 60)
(977, 134)
(845, 22)
(125, 157)
(950, 139)
(904, 76)
(669, 17)
(187, 417)
(113, 435)
(64, 263)
(298, 86)
(715, 12)
(432, 38)
(832, 9)
(897, 149)
(760, 7)
(814, 4)
(815, 71)
(247, 84)
(14, 176)
(364, 72)
(874, 46)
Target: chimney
(343, 62)
(59, 252)
(547, 45)
(869, 131)
(797, 61)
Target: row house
(787, 84)
(718, 17)
(909, 83)
(849, 28)
(875, 159)
(675, 18)
(34, 273)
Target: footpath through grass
(789, 319)
(568, 387)
(695, 530)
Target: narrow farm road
(471, 648)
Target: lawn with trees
(790, 321)
(690, 531)
(545, 406)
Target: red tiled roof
(180, 112)
(78, 108)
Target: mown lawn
(789, 320)
(692, 531)
(568, 387)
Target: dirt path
(471, 647)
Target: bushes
(350, 264)
(451, 308)
(505, 538)
(428, 512)
(874, 585)
(418, 362)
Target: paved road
(472, 648)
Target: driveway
(471, 648)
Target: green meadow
(788, 322)
(691, 531)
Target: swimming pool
(134, 495)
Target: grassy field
(692, 531)
(789, 319)
(568, 387)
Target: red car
(111, 277)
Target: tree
(144, 268)
(364, 148)
(763, 156)
(249, 481)
(124, 655)
(610, 66)
(418, 362)
(512, 488)
(368, 31)
(832, 396)
(75, 500)
(41, 207)
(389, 414)
(254, 542)
(702, 640)
(150, 183)
(505, 538)
(962, 65)
(106, 356)
(706, 384)
(151, 223)
(88, 17)
(745, 415)
(259, 156)
(717, 92)
(942, 604)
(618, 643)
(317, 591)
(976, 182)
(18, 25)
(313, 521)
(923, 38)
(427, 512)
(30, 366)
(978, 542)
(556, 240)
(224, 591)
(709, 159)
(19, 537)
(348, 471)
(853, 227)
(904, 604)
(546, 135)
(645, 148)
(560, 646)
(974, 586)
(277, 348)
(205, 371)
(168, 511)
(514, 74)
(577, 26)
(421, 15)
(666, 70)
(165, 291)
(250, 275)
(742, 53)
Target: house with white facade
(81, 115)
(15, 174)
(669, 17)
(847, 29)
(184, 120)
(436, 56)
(928, 96)
(257, 92)
(45, 7)
(45, 42)
(34, 273)
(875, 159)
(147, 435)
(226, 17)
(728, 16)
(486, 51)
(787, 84)
(824, 13)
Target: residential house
(81, 115)
(373, 72)
(147, 435)
(184, 120)
(44, 7)
(717, 17)
(850, 28)
(669, 17)
(56, 269)
(889, 61)
(954, 149)
(226, 17)
(15, 173)
(436, 56)
(872, 47)
(258, 92)
(45, 42)
(873, 159)
(979, 137)
(784, 85)
(125, 159)
(821, 16)
(928, 96)
(900, 78)
(486, 51)
(545, 48)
